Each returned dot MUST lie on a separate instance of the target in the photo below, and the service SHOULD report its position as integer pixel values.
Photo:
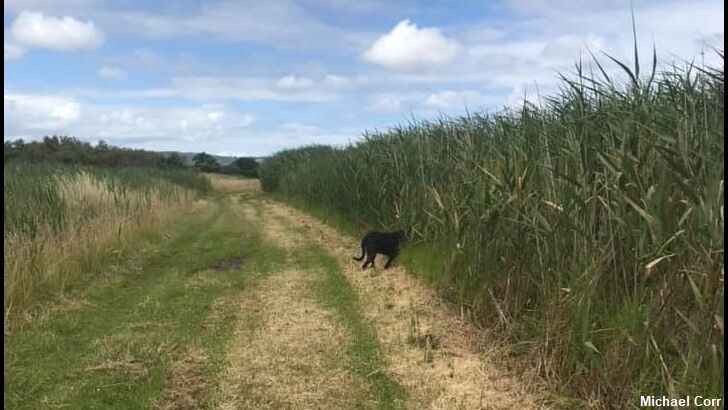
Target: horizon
(248, 79)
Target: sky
(249, 78)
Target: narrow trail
(288, 352)
(440, 359)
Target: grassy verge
(61, 223)
(119, 346)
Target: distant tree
(12, 149)
(73, 151)
(206, 162)
(175, 160)
(247, 167)
(102, 145)
(51, 144)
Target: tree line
(69, 150)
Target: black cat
(386, 243)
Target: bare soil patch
(236, 262)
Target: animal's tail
(363, 254)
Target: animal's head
(401, 236)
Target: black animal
(386, 243)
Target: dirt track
(296, 355)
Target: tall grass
(589, 230)
(60, 221)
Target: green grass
(32, 199)
(62, 222)
(589, 229)
(335, 292)
(137, 318)
(425, 259)
(161, 299)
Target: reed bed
(588, 231)
(61, 223)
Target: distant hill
(222, 160)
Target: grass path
(437, 356)
(250, 304)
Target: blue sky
(253, 77)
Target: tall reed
(589, 230)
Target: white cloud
(246, 120)
(455, 99)
(390, 102)
(111, 73)
(293, 82)
(569, 47)
(410, 48)
(215, 115)
(522, 93)
(34, 29)
(13, 51)
(67, 111)
(386, 103)
(284, 24)
(338, 82)
(214, 88)
(298, 128)
(37, 112)
(30, 115)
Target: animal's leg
(363, 253)
(366, 262)
(370, 260)
(391, 258)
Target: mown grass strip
(334, 291)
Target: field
(248, 303)
(61, 223)
(588, 231)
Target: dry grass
(465, 371)
(126, 351)
(276, 231)
(203, 280)
(98, 220)
(227, 183)
(184, 384)
(294, 358)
